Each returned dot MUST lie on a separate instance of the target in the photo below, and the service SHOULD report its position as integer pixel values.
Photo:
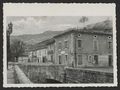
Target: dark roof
(42, 44)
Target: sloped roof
(43, 44)
(104, 27)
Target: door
(96, 59)
(52, 59)
(66, 59)
(110, 60)
(79, 59)
(60, 61)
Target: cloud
(62, 26)
(39, 24)
(28, 26)
(34, 25)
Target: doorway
(110, 61)
(79, 59)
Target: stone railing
(87, 76)
(20, 76)
(39, 73)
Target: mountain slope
(36, 38)
(104, 26)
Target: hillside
(104, 26)
(36, 38)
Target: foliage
(17, 48)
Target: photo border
(25, 84)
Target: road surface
(10, 75)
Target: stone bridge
(43, 73)
(37, 73)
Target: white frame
(73, 9)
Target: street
(10, 75)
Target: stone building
(87, 47)
(83, 48)
(51, 50)
(43, 51)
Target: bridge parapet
(39, 73)
(22, 78)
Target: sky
(39, 24)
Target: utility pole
(9, 31)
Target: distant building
(23, 58)
(43, 51)
(51, 50)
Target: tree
(9, 31)
(83, 20)
(17, 49)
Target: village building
(32, 56)
(38, 54)
(23, 59)
(43, 51)
(51, 50)
(91, 46)
(87, 47)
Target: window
(109, 45)
(52, 58)
(60, 61)
(95, 44)
(79, 43)
(66, 44)
(96, 59)
(90, 59)
(66, 58)
(79, 59)
(44, 59)
(59, 45)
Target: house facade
(76, 48)
(80, 48)
(51, 50)
(32, 57)
(42, 52)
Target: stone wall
(40, 73)
(87, 76)
(20, 76)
